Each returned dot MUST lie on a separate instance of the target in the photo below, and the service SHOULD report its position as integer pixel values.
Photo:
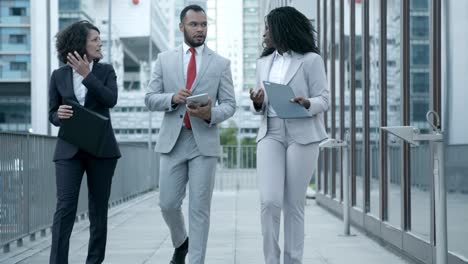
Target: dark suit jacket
(102, 95)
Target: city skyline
(394, 187)
(238, 40)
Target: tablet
(199, 99)
(279, 96)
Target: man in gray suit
(189, 139)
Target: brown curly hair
(73, 38)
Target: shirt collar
(287, 54)
(198, 50)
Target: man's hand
(180, 96)
(200, 111)
(65, 112)
(302, 101)
(79, 64)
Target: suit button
(181, 116)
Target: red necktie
(191, 75)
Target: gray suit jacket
(306, 76)
(214, 78)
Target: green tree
(228, 139)
(249, 153)
(228, 136)
(248, 141)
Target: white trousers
(186, 164)
(284, 170)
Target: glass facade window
(18, 66)
(374, 106)
(420, 82)
(14, 12)
(64, 22)
(393, 151)
(420, 27)
(17, 39)
(15, 113)
(359, 152)
(132, 85)
(15, 66)
(455, 38)
(419, 54)
(65, 5)
(336, 156)
(328, 63)
(418, 113)
(419, 4)
(17, 11)
(420, 173)
(416, 213)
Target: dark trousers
(69, 174)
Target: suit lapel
(69, 82)
(180, 68)
(296, 62)
(207, 57)
(95, 71)
(266, 64)
(266, 67)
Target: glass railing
(26, 164)
(15, 127)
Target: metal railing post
(412, 135)
(440, 203)
(332, 143)
(346, 191)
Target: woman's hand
(302, 101)
(257, 97)
(65, 112)
(79, 64)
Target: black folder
(85, 129)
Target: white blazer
(306, 76)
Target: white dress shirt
(277, 73)
(78, 87)
(188, 55)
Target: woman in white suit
(287, 149)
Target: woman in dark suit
(93, 85)
(287, 149)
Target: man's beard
(189, 41)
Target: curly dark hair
(290, 30)
(73, 38)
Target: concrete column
(44, 25)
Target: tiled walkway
(137, 234)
